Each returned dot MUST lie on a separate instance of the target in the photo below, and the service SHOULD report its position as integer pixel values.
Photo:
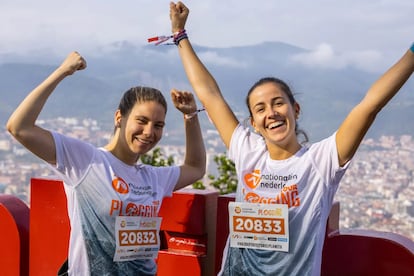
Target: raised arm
(22, 122)
(201, 80)
(194, 166)
(358, 121)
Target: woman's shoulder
(330, 140)
(70, 140)
(155, 169)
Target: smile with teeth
(275, 124)
(144, 141)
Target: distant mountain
(325, 95)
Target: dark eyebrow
(272, 100)
(142, 117)
(278, 98)
(258, 104)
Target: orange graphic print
(120, 186)
(132, 209)
(252, 179)
(289, 195)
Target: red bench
(190, 215)
(14, 236)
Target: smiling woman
(141, 113)
(105, 187)
(288, 241)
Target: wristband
(412, 48)
(191, 115)
(178, 36)
(163, 39)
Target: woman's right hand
(73, 62)
(178, 15)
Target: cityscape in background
(376, 193)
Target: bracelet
(412, 48)
(193, 114)
(163, 39)
(178, 36)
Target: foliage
(199, 185)
(226, 181)
(156, 158)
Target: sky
(370, 34)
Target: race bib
(259, 226)
(136, 238)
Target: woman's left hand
(183, 101)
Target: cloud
(348, 25)
(368, 60)
(213, 57)
(324, 56)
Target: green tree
(156, 158)
(199, 185)
(226, 181)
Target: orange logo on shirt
(252, 179)
(120, 186)
(289, 195)
(132, 209)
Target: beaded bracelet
(178, 36)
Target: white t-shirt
(306, 182)
(99, 187)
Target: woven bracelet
(178, 36)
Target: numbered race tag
(136, 238)
(259, 226)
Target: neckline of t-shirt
(295, 156)
(117, 160)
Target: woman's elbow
(201, 170)
(11, 128)
(19, 132)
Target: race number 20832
(137, 237)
